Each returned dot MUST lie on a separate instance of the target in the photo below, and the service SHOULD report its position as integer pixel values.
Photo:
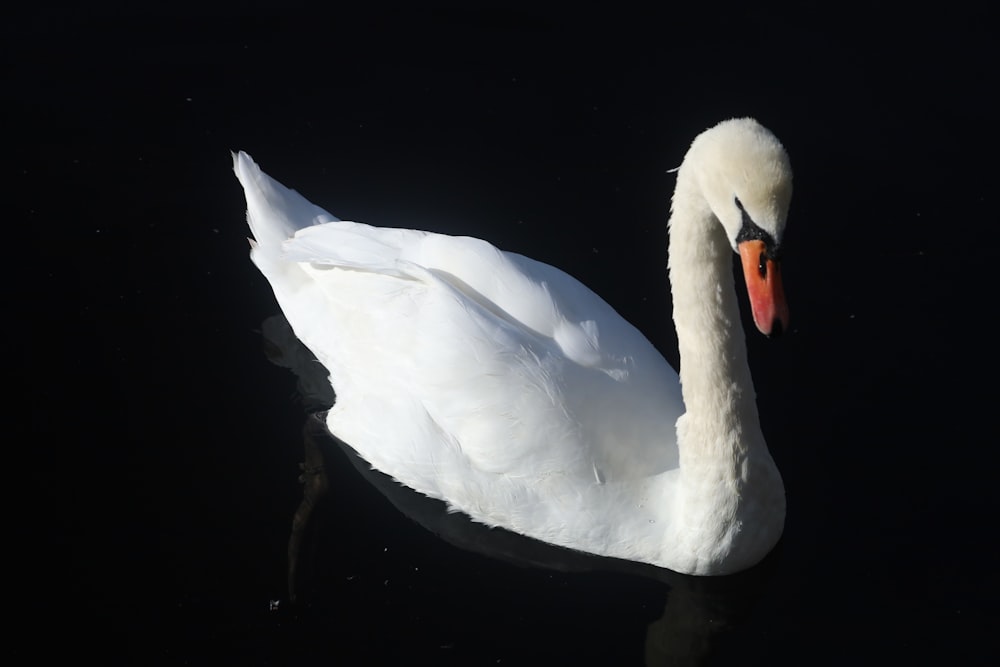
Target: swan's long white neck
(727, 477)
(721, 412)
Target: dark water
(153, 490)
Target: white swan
(511, 391)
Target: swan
(509, 390)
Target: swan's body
(508, 389)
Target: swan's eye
(762, 265)
(751, 231)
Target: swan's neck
(721, 423)
(727, 477)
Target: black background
(153, 476)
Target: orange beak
(767, 296)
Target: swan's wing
(524, 367)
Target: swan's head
(745, 176)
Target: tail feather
(274, 212)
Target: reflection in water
(283, 349)
(315, 485)
(699, 612)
